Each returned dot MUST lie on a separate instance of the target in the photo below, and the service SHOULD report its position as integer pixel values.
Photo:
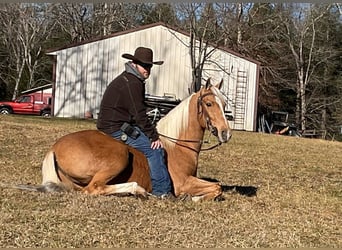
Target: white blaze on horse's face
(217, 122)
(220, 122)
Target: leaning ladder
(240, 100)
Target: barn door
(240, 100)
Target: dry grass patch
(298, 201)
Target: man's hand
(157, 144)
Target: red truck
(37, 103)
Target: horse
(94, 163)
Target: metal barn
(82, 71)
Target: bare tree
(160, 12)
(74, 19)
(201, 21)
(325, 89)
(25, 28)
(295, 56)
(300, 26)
(252, 30)
(339, 7)
(80, 21)
(113, 17)
(11, 40)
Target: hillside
(278, 192)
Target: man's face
(144, 69)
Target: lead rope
(175, 140)
(212, 147)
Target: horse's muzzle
(224, 135)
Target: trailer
(278, 123)
(159, 106)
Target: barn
(83, 70)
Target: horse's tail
(50, 183)
(45, 188)
(49, 171)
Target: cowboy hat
(143, 55)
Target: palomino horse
(95, 163)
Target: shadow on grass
(242, 190)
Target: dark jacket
(124, 101)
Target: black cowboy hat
(143, 55)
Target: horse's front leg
(200, 189)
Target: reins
(212, 147)
(175, 140)
(181, 140)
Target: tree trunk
(239, 30)
(20, 68)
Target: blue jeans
(161, 182)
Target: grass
(279, 192)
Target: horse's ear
(220, 84)
(208, 83)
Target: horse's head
(211, 104)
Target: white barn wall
(226, 67)
(84, 71)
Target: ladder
(240, 100)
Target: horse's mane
(175, 121)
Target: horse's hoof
(219, 198)
(141, 196)
(168, 196)
(185, 197)
(140, 191)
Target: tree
(74, 19)
(25, 28)
(201, 21)
(258, 37)
(159, 12)
(298, 45)
(300, 24)
(113, 17)
(325, 90)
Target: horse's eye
(209, 104)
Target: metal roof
(95, 39)
(47, 86)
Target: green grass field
(278, 192)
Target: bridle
(209, 126)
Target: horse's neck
(194, 129)
(182, 123)
(194, 132)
